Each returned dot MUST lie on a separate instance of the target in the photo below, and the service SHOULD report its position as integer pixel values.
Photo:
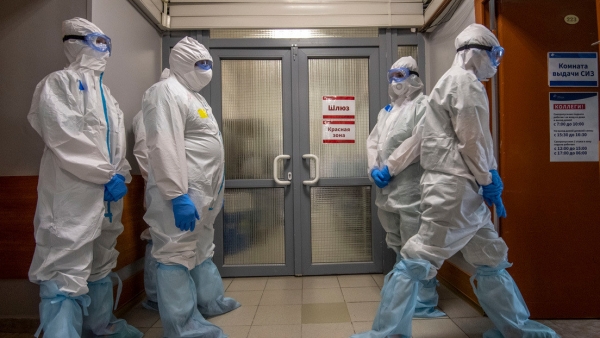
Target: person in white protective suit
(140, 151)
(185, 193)
(81, 184)
(396, 170)
(458, 158)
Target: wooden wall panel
(553, 223)
(18, 197)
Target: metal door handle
(316, 178)
(275, 171)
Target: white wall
(31, 48)
(439, 44)
(135, 63)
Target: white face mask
(80, 55)
(400, 88)
(485, 70)
(198, 78)
(204, 76)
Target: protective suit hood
(77, 52)
(183, 60)
(411, 87)
(475, 60)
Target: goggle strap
(410, 72)
(474, 46)
(75, 37)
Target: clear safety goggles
(204, 64)
(400, 74)
(96, 41)
(495, 53)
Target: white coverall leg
(186, 157)
(75, 230)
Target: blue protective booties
(60, 315)
(398, 300)
(177, 301)
(100, 320)
(209, 288)
(501, 300)
(427, 300)
(427, 297)
(150, 265)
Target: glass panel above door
(367, 32)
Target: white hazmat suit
(457, 155)
(75, 229)
(392, 143)
(140, 151)
(398, 202)
(186, 157)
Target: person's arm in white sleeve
(140, 151)
(470, 119)
(165, 141)
(55, 115)
(372, 141)
(409, 151)
(119, 160)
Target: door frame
(302, 192)
(216, 98)
(387, 42)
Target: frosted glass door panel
(341, 224)
(253, 226)
(408, 51)
(345, 77)
(252, 117)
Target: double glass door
(294, 204)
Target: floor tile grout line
(460, 328)
(257, 306)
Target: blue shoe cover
(61, 316)
(427, 300)
(502, 301)
(398, 300)
(209, 288)
(100, 321)
(493, 333)
(150, 305)
(177, 305)
(150, 265)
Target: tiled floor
(334, 307)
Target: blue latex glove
(185, 213)
(381, 177)
(378, 178)
(492, 193)
(385, 174)
(115, 189)
(500, 209)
